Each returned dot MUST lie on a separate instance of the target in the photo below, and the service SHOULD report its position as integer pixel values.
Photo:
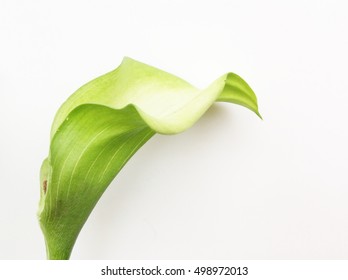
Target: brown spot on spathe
(44, 186)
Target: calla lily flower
(98, 129)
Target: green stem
(58, 246)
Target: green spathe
(99, 128)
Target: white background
(231, 187)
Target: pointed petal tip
(259, 115)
